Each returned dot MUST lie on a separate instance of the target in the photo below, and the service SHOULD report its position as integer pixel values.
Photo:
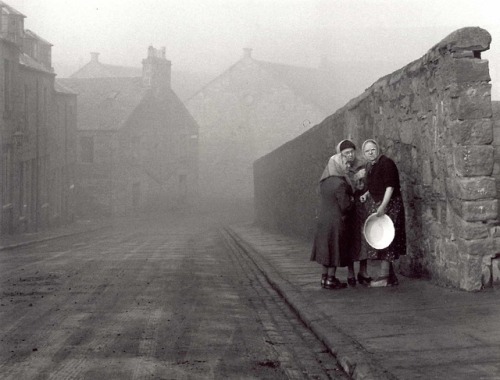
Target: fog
(364, 39)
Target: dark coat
(330, 247)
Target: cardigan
(382, 174)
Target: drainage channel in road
(300, 353)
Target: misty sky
(209, 35)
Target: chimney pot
(94, 57)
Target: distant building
(37, 131)
(137, 143)
(249, 110)
(184, 83)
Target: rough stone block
(496, 132)
(472, 102)
(468, 230)
(473, 160)
(471, 270)
(495, 245)
(476, 211)
(495, 231)
(426, 172)
(486, 272)
(472, 132)
(472, 188)
(471, 70)
(469, 38)
(477, 247)
(495, 271)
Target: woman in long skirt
(384, 197)
(330, 247)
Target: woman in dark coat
(330, 247)
(384, 197)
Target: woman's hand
(364, 197)
(380, 210)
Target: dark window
(87, 145)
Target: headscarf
(338, 165)
(378, 150)
(371, 163)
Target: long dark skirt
(330, 247)
(395, 210)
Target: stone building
(137, 143)
(184, 83)
(249, 110)
(36, 159)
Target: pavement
(416, 330)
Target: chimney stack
(94, 57)
(156, 70)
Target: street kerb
(351, 355)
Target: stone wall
(434, 118)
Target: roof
(62, 89)
(95, 69)
(105, 103)
(30, 33)
(315, 85)
(7, 9)
(27, 61)
(184, 83)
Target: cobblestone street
(149, 298)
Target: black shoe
(323, 279)
(351, 281)
(334, 283)
(364, 280)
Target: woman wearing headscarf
(383, 196)
(330, 247)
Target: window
(87, 146)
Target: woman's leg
(332, 282)
(324, 275)
(383, 279)
(363, 268)
(384, 268)
(363, 277)
(393, 279)
(351, 277)
(332, 271)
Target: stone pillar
(471, 187)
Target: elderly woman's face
(348, 154)
(371, 151)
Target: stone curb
(52, 237)
(352, 356)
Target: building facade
(36, 167)
(136, 142)
(249, 110)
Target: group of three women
(351, 189)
